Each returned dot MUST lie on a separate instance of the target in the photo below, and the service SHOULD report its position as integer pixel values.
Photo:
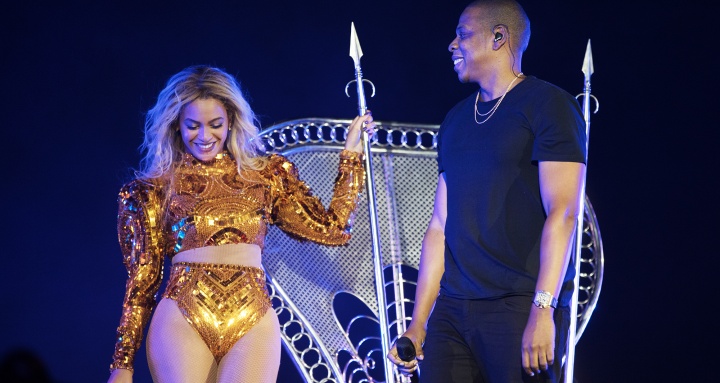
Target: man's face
(471, 47)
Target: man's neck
(498, 84)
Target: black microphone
(405, 349)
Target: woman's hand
(353, 140)
(121, 375)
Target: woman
(204, 196)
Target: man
(494, 263)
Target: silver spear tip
(588, 67)
(355, 50)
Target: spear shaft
(587, 70)
(356, 53)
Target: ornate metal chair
(326, 296)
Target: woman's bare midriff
(234, 254)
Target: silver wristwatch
(544, 299)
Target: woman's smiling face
(204, 128)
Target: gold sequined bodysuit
(211, 204)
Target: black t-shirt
(494, 210)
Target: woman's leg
(176, 353)
(255, 358)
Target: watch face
(542, 299)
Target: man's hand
(417, 336)
(538, 343)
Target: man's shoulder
(536, 85)
(463, 104)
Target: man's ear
(500, 36)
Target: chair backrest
(326, 296)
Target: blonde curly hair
(163, 145)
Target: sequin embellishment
(211, 204)
(221, 302)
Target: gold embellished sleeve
(139, 234)
(301, 215)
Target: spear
(356, 53)
(587, 70)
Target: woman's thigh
(256, 356)
(176, 353)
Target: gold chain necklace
(494, 108)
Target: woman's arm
(141, 244)
(300, 214)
